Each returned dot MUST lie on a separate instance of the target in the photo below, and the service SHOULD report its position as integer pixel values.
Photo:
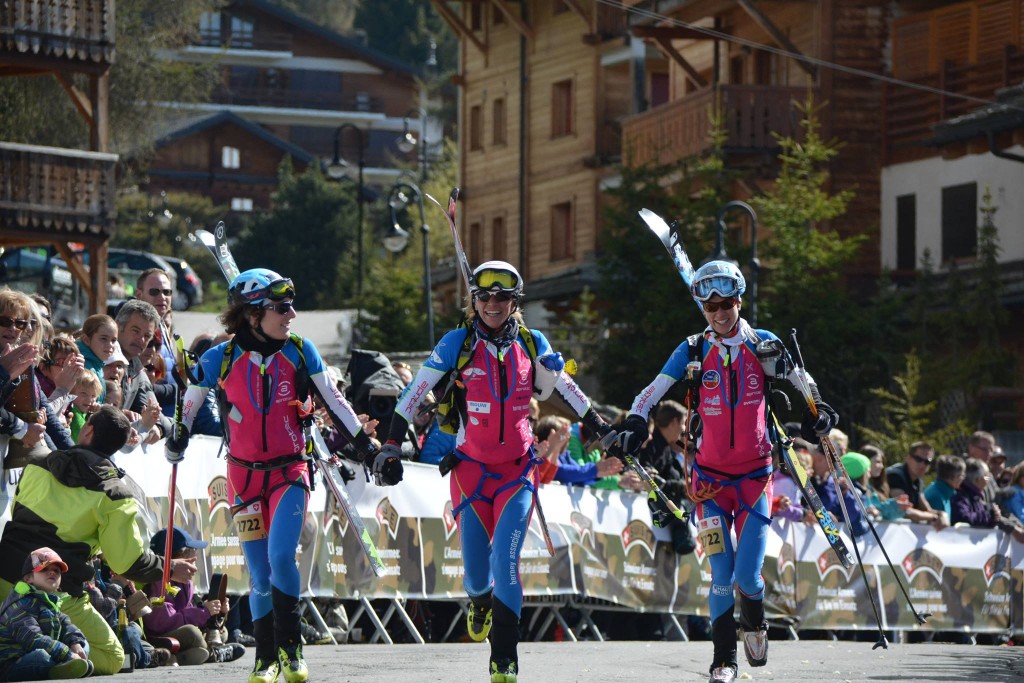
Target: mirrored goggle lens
(724, 287)
(282, 289)
(501, 279)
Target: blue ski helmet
(718, 277)
(257, 285)
(497, 276)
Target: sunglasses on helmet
(496, 279)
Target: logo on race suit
(996, 566)
(920, 561)
(637, 532)
(710, 379)
(434, 358)
(387, 516)
(829, 562)
(482, 407)
(753, 379)
(448, 518)
(284, 391)
(584, 526)
(217, 491)
(473, 373)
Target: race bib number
(711, 535)
(249, 523)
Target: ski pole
(610, 444)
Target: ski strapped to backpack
(448, 415)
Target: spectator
(997, 467)
(115, 287)
(404, 371)
(825, 485)
(840, 440)
(660, 456)
(906, 477)
(75, 502)
(154, 287)
(87, 390)
(96, 343)
(435, 443)
(182, 616)
(969, 504)
(551, 438)
(208, 417)
(156, 370)
(58, 371)
(980, 446)
(115, 367)
(949, 475)
(136, 324)
(1015, 501)
(877, 491)
(569, 470)
(113, 390)
(607, 476)
(28, 416)
(37, 640)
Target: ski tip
(454, 196)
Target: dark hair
(548, 424)
(146, 273)
(111, 429)
(947, 467)
(236, 317)
(667, 412)
(59, 346)
(880, 483)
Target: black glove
(633, 435)
(347, 473)
(660, 514)
(814, 426)
(177, 442)
(385, 464)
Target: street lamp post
(336, 170)
(755, 263)
(396, 240)
(407, 142)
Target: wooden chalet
(289, 88)
(50, 195)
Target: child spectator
(950, 471)
(37, 640)
(115, 367)
(59, 370)
(113, 392)
(87, 390)
(97, 341)
(179, 617)
(551, 439)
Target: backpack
(448, 415)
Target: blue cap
(181, 541)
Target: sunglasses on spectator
(500, 296)
(154, 343)
(156, 291)
(280, 307)
(923, 461)
(8, 321)
(714, 306)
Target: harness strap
(709, 483)
(477, 494)
(269, 465)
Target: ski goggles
(496, 279)
(721, 285)
(279, 289)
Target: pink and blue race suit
(268, 478)
(493, 482)
(733, 466)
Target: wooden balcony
(298, 99)
(65, 30)
(47, 191)
(268, 41)
(910, 114)
(682, 128)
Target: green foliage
(37, 110)
(333, 14)
(404, 29)
(397, 318)
(309, 235)
(646, 300)
(906, 418)
(581, 333)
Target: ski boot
(478, 623)
(725, 673)
(504, 670)
(292, 665)
(265, 671)
(755, 646)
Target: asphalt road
(651, 662)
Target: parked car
(39, 269)
(189, 285)
(130, 263)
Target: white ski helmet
(718, 277)
(497, 276)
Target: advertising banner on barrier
(606, 548)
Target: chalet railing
(681, 128)
(80, 30)
(270, 41)
(300, 99)
(911, 113)
(56, 189)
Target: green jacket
(76, 503)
